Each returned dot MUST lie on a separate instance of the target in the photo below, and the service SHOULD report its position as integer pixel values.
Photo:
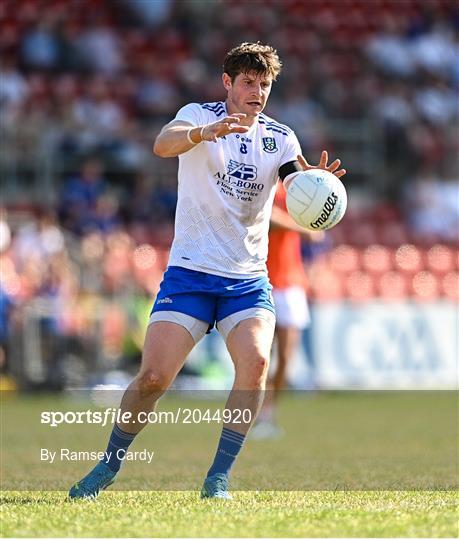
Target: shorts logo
(241, 170)
(165, 300)
(269, 145)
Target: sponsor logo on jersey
(269, 145)
(239, 181)
(242, 170)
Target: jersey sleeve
(191, 113)
(291, 149)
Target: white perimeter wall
(387, 346)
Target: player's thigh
(166, 347)
(249, 343)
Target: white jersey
(225, 194)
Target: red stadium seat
(338, 235)
(392, 233)
(450, 286)
(145, 257)
(440, 259)
(408, 258)
(392, 286)
(344, 259)
(377, 259)
(424, 286)
(325, 285)
(456, 259)
(385, 213)
(360, 287)
(364, 234)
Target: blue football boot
(90, 486)
(215, 487)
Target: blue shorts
(210, 298)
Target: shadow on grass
(25, 500)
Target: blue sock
(119, 440)
(228, 448)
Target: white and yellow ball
(316, 199)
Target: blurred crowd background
(87, 211)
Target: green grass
(250, 514)
(361, 441)
(351, 464)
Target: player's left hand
(323, 165)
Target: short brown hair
(252, 57)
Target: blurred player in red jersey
(288, 278)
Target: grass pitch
(350, 465)
(250, 514)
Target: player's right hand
(229, 124)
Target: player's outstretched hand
(333, 167)
(229, 124)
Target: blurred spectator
(156, 95)
(394, 114)
(388, 48)
(106, 215)
(13, 90)
(99, 120)
(435, 51)
(40, 46)
(164, 200)
(79, 197)
(437, 102)
(455, 63)
(71, 58)
(393, 105)
(150, 14)
(6, 307)
(39, 239)
(117, 265)
(137, 205)
(431, 151)
(100, 47)
(305, 115)
(396, 60)
(92, 254)
(433, 209)
(5, 231)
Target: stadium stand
(97, 78)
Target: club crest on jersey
(269, 145)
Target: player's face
(248, 93)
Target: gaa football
(316, 199)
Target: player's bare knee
(262, 364)
(258, 372)
(152, 382)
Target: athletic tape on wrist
(188, 136)
(200, 133)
